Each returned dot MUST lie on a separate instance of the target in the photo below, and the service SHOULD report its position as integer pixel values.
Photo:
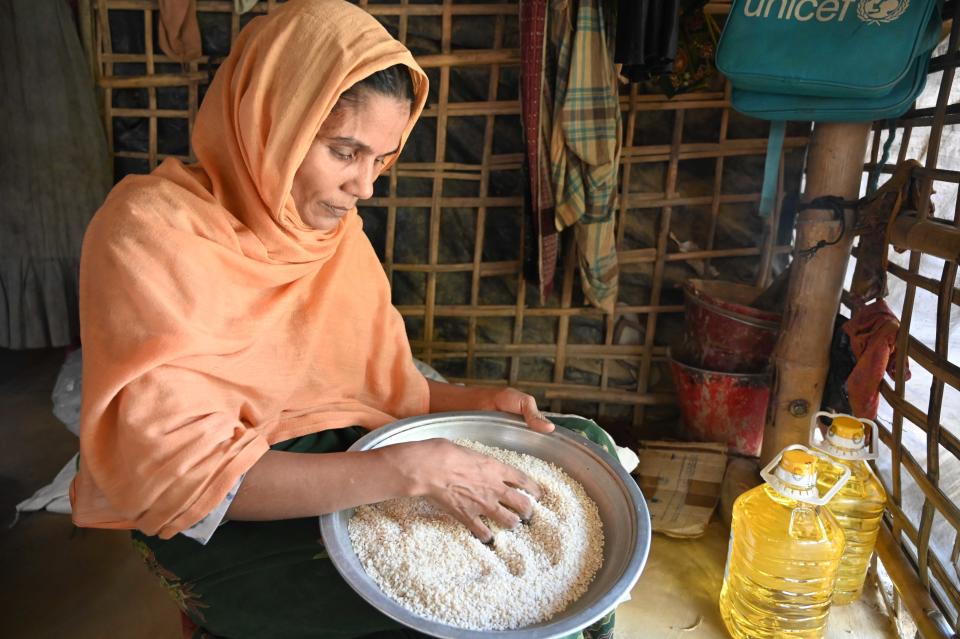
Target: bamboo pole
(801, 356)
(153, 80)
(926, 283)
(930, 236)
(925, 613)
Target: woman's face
(347, 156)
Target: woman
(236, 320)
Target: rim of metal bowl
(340, 550)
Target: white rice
(433, 566)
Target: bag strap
(771, 167)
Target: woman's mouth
(338, 211)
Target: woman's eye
(341, 156)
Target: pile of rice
(433, 566)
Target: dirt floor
(59, 581)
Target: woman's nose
(361, 186)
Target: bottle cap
(849, 428)
(799, 463)
(793, 474)
(847, 437)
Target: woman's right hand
(466, 484)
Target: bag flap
(774, 106)
(852, 48)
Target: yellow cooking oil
(784, 552)
(858, 506)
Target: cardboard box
(681, 483)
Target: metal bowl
(626, 521)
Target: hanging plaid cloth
(535, 103)
(585, 141)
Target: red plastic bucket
(729, 408)
(723, 332)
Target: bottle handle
(814, 430)
(837, 485)
(872, 453)
(821, 500)
(795, 515)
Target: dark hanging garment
(535, 105)
(54, 171)
(646, 37)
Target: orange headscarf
(214, 321)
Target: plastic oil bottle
(858, 506)
(785, 548)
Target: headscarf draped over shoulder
(214, 321)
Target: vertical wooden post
(801, 357)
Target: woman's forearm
(449, 397)
(283, 485)
(460, 481)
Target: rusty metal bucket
(729, 408)
(723, 332)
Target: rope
(832, 203)
(875, 172)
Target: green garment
(273, 579)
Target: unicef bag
(782, 106)
(826, 48)
(825, 60)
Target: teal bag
(825, 61)
(779, 106)
(826, 48)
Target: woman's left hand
(452, 397)
(511, 400)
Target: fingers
(532, 415)
(512, 400)
(518, 504)
(475, 488)
(516, 479)
(504, 517)
(478, 528)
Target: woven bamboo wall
(447, 220)
(920, 417)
